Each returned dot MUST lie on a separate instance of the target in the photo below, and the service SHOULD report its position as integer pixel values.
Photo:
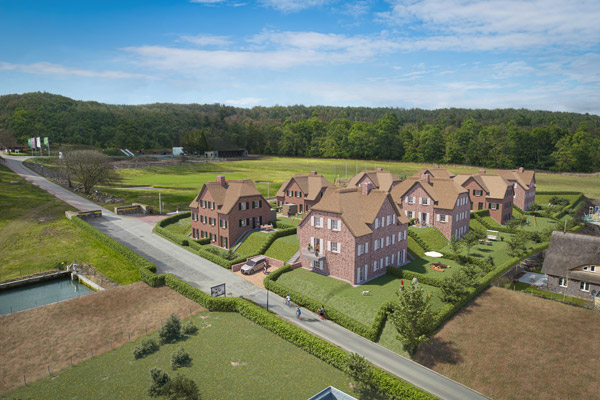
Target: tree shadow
(437, 351)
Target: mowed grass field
(509, 345)
(50, 335)
(181, 183)
(232, 358)
(35, 236)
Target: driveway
(168, 257)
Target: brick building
(489, 191)
(523, 186)
(225, 209)
(352, 234)
(572, 263)
(381, 180)
(438, 202)
(303, 190)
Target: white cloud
(244, 102)
(289, 6)
(206, 40)
(46, 68)
(495, 24)
(505, 70)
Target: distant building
(177, 151)
(331, 393)
(523, 186)
(437, 202)
(381, 180)
(225, 209)
(304, 190)
(353, 234)
(435, 172)
(572, 263)
(488, 191)
(226, 153)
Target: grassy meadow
(229, 359)
(35, 236)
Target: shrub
(359, 369)
(159, 379)
(146, 347)
(180, 358)
(181, 387)
(171, 330)
(454, 287)
(188, 328)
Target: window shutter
(328, 223)
(312, 242)
(312, 221)
(339, 247)
(240, 206)
(420, 200)
(437, 217)
(406, 199)
(260, 204)
(367, 247)
(328, 245)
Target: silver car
(254, 264)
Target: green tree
(88, 167)
(412, 316)
(455, 244)
(159, 379)
(170, 332)
(195, 142)
(454, 287)
(470, 239)
(361, 372)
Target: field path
(168, 257)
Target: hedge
(177, 238)
(419, 240)
(415, 250)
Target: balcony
(311, 255)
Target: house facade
(572, 263)
(437, 202)
(353, 234)
(224, 210)
(488, 191)
(380, 179)
(304, 190)
(523, 186)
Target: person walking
(322, 312)
(298, 313)
(288, 301)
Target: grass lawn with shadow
(253, 242)
(283, 248)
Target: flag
(46, 143)
(33, 143)
(38, 142)
(29, 142)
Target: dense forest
(502, 138)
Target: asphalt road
(203, 274)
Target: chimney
(427, 177)
(313, 172)
(482, 172)
(521, 170)
(379, 169)
(366, 187)
(221, 180)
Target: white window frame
(335, 225)
(366, 247)
(585, 268)
(360, 249)
(376, 223)
(442, 218)
(375, 265)
(584, 286)
(388, 241)
(563, 282)
(592, 268)
(376, 245)
(425, 201)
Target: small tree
(181, 388)
(88, 167)
(512, 225)
(360, 371)
(171, 330)
(454, 287)
(412, 316)
(470, 240)
(515, 246)
(180, 358)
(159, 379)
(188, 328)
(455, 244)
(471, 273)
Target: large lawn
(35, 236)
(422, 265)
(434, 238)
(348, 299)
(232, 358)
(509, 345)
(284, 248)
(182, 227)
(181, 183)
(252, 243)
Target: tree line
(500, 138)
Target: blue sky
(540, 54)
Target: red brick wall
(344, 265)
(524, 198)
(504, 211)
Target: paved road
(168, 257)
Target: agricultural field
(180, 183)
(232, 357)
(540, 349)
(52, 334)
(35, 236)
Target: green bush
(415, 250)
(170, 332)
(188, 328)
(159, 379)
(419, 240)
(180, 358)
(146, 347)
(181, 387)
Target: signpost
(218, 290)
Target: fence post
(49, 370)
(129, 336)
(71, 361)
(24, 379)
(92, 350)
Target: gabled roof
(571, 250)
(436, 172)
(310, 184)
(524, 178)
(356, 209)
(494, 185)
(442, 190)
(383, 180)
(228, 195)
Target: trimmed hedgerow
(409, 275)
(419, 240)
(414, 249)
(177, 238)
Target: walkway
(168, 257)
